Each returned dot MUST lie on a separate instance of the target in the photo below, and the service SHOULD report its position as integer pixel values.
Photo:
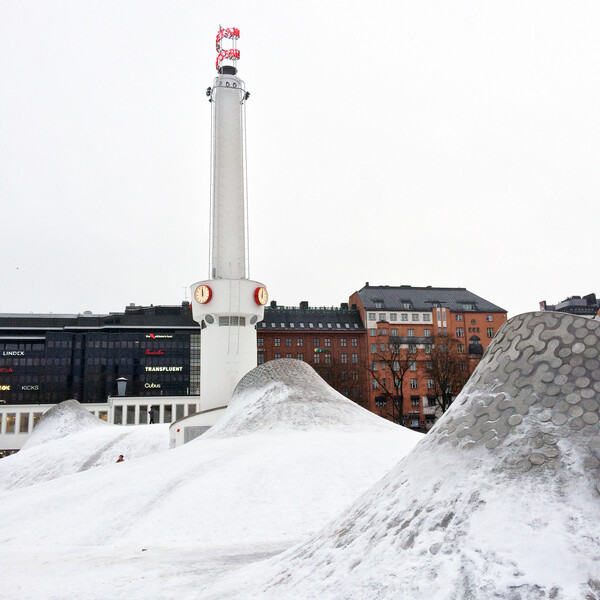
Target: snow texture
(500, 500)
(69, 439)
(270, 475)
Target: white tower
(228, 305)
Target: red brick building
(410, 319)
(331, 340)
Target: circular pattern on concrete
(538, 384)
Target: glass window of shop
(24, 423)
(10, 422)
(130, 415)
(179, 411)
(144, 414)
(168, 413)
(118, 415)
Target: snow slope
(289, 455)
(69, 439)
(500, 500)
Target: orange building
(403, 324)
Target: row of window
(394, 332)
(460, 331)
(260, 342)
(316, 359)
(312, 326)
(425, 317)
(414, 384)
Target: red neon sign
(154, 352)
(6, 370)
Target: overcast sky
(423, 143)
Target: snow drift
(69, 439)
(500, 500)
(290, 455)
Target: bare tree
(447, 368)
(391, 362)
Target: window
(328, 359)
(382, 316)
(344, 358)
(327, 342)
(414, 384)
(415, 401)
(288, 341)
(426, 317)
(393, 316)
(300, 356)
(316, 358)
(413, 365)
(371, 316)
(354, 341)
(277, 355)
(461, 348)
(415, 316)
(396, 365)
(428, 365)
(407, 305)
(431, 402)
(343, 342)
(383, 348)
(489, 318)
(260, 342)
(412, 348)
(430, 384)
(316, 342)
(344, 375)
(288, 355)
(459, 317)
(426, 332)
(490, 332)
(404, 317)
(427, 348)
(394, 332)
(460, 332)
(277, 342)
(374, 365)
(462, 365)
(355, 360)
(320, 325)
(378, 303)
(299, 342)
(410, 332)
(373, 348)
(375, 384)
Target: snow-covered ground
(299, 494)
(289, 455)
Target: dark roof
(588, 305)
(387, 297)
(315, 319)
(133, 316)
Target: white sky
(425, 143)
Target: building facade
(332, 340)
(405, 328)
(586, 306)
(45, 359)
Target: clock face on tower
(203, 294)
(261, 296)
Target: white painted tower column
(228, 305)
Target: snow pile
(63, 419)
(500, 500)
(178, 519)
(68, 439)
(288, 395)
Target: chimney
(304, 304)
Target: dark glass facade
(47, 358)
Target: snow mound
(63, 419)
(179, 518)
(288, 395)
(78, 451)
(500, 500)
